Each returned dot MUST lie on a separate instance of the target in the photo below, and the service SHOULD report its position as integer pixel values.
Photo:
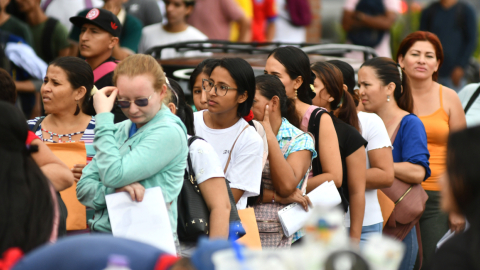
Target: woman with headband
(385, 90)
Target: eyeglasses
(220, 90)
(141, 102)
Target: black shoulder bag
(193, 213)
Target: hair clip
(313, 88)
(93, 91)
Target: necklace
(60, 136)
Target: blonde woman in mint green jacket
(148, 150)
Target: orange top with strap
(438, 129)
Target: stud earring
(388, 98)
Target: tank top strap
(441, 96)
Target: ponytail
(348, 111)
(343, 103)
(404, 96)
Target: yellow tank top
(437, 128)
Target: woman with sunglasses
(230, 92)
(148, 150)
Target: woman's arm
(54, 169)
(90, 190)
(381, 172)
(409, 173)
(297, 196)
(329, 154)
(356, 187)
(215, 194)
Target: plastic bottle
(117, 262)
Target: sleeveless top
(438, 129)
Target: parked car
(254, 53)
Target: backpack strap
(47, 39)
(37, 124)
(103, 70)
(314, 128)
(472, 99)
(190, 173)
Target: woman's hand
(456, 222)
(136, 191)
(77, 171)
(104, 99)
(266, 121)
(297, 197)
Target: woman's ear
(400, 61)
(82, 91)
(345, 87)
(163, 92)
(243, 97)
(297, 82)
(275, 104)
(172, 108)
(391, 88)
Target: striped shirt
(87, 136)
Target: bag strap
(191, 173)
(420, 247)
(47, 39)
(230, 154)
(314, 128)
(37, 124)
(103, 70)
(394, 135)
(472, 99)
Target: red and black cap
(102, 18)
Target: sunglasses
(141, 102)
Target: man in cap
(99, 31)
(129, 35)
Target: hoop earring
(77, 110)
(388, 98)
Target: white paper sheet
(145, 221)
(293, 217)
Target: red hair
(408, 42)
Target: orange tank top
(438, 129)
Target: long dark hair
(297, 63)
(204, 67)
(463, 153)
(79, 73)
(26, 204)
(348, 77)
(184, 111)
(388, 71)
(8, 90)
(270, 86)
(242, 73)
(342, 103)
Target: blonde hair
(142, 64)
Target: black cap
(102, 18)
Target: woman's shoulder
(411, 121)
(250, 136)
(370, 121)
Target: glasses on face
(220, 90)
(141, 102)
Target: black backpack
(365, 36)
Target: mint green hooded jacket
(154, 156)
